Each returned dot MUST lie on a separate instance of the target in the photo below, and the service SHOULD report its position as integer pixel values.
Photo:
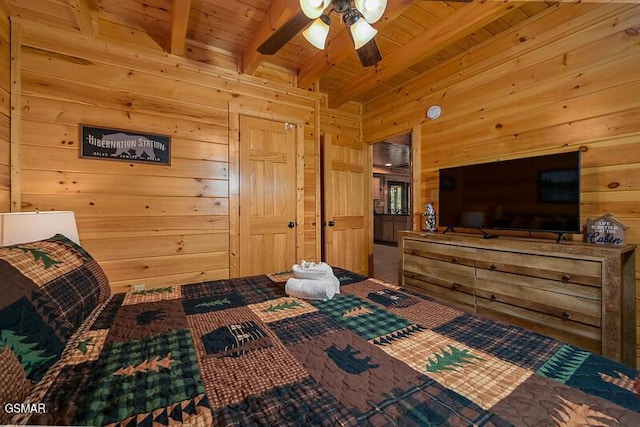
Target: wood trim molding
(416, 171)
(234, 193)
(369, 219)
(264, 114)
(16, 116)
(318, 176)
(300, 192)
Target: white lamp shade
(317, 33)
(314, 8)
(23, 227)
(372, 10)
(362, 33)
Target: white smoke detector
(434, 112)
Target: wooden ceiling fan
(357, 15)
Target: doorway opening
(392, 198)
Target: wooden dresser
(579, 293)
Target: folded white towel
(319, 271)
(310, 289)
(311, 270)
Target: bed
(241, 352)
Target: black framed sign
(130, 146)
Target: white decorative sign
(605, 230)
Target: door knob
(331, 223)
(291, 224)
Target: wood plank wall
(145, 224)
(566, 80)
(5, 110)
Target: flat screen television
(535, 194)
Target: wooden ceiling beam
(340, 47)
(468, 18)
(281, 12)
(179, 22)
(83, 13)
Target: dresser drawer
(562, 301)
(452, 254)
(440, 280)
(568, 270)
(528, 296)
(579, 334)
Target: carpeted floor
(385, 263)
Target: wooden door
(347, 196)
(267, 196)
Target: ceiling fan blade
(369, 54)
(284, 34)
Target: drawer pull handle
(565, 315)
(455, 287)
(566, 278)
(454, 260)
(414, 252)
(493, 267)
(493, 297)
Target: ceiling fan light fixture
(314, 8)
(362, 32)
(371, 10)
(317, 33)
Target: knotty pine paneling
(565, 80)
(312, 196)
(146, 224)
(212, 85)
(5, 112)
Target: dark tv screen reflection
(535, 193)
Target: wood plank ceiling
(414, 35)
(395, 151)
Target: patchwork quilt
(241, 352)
